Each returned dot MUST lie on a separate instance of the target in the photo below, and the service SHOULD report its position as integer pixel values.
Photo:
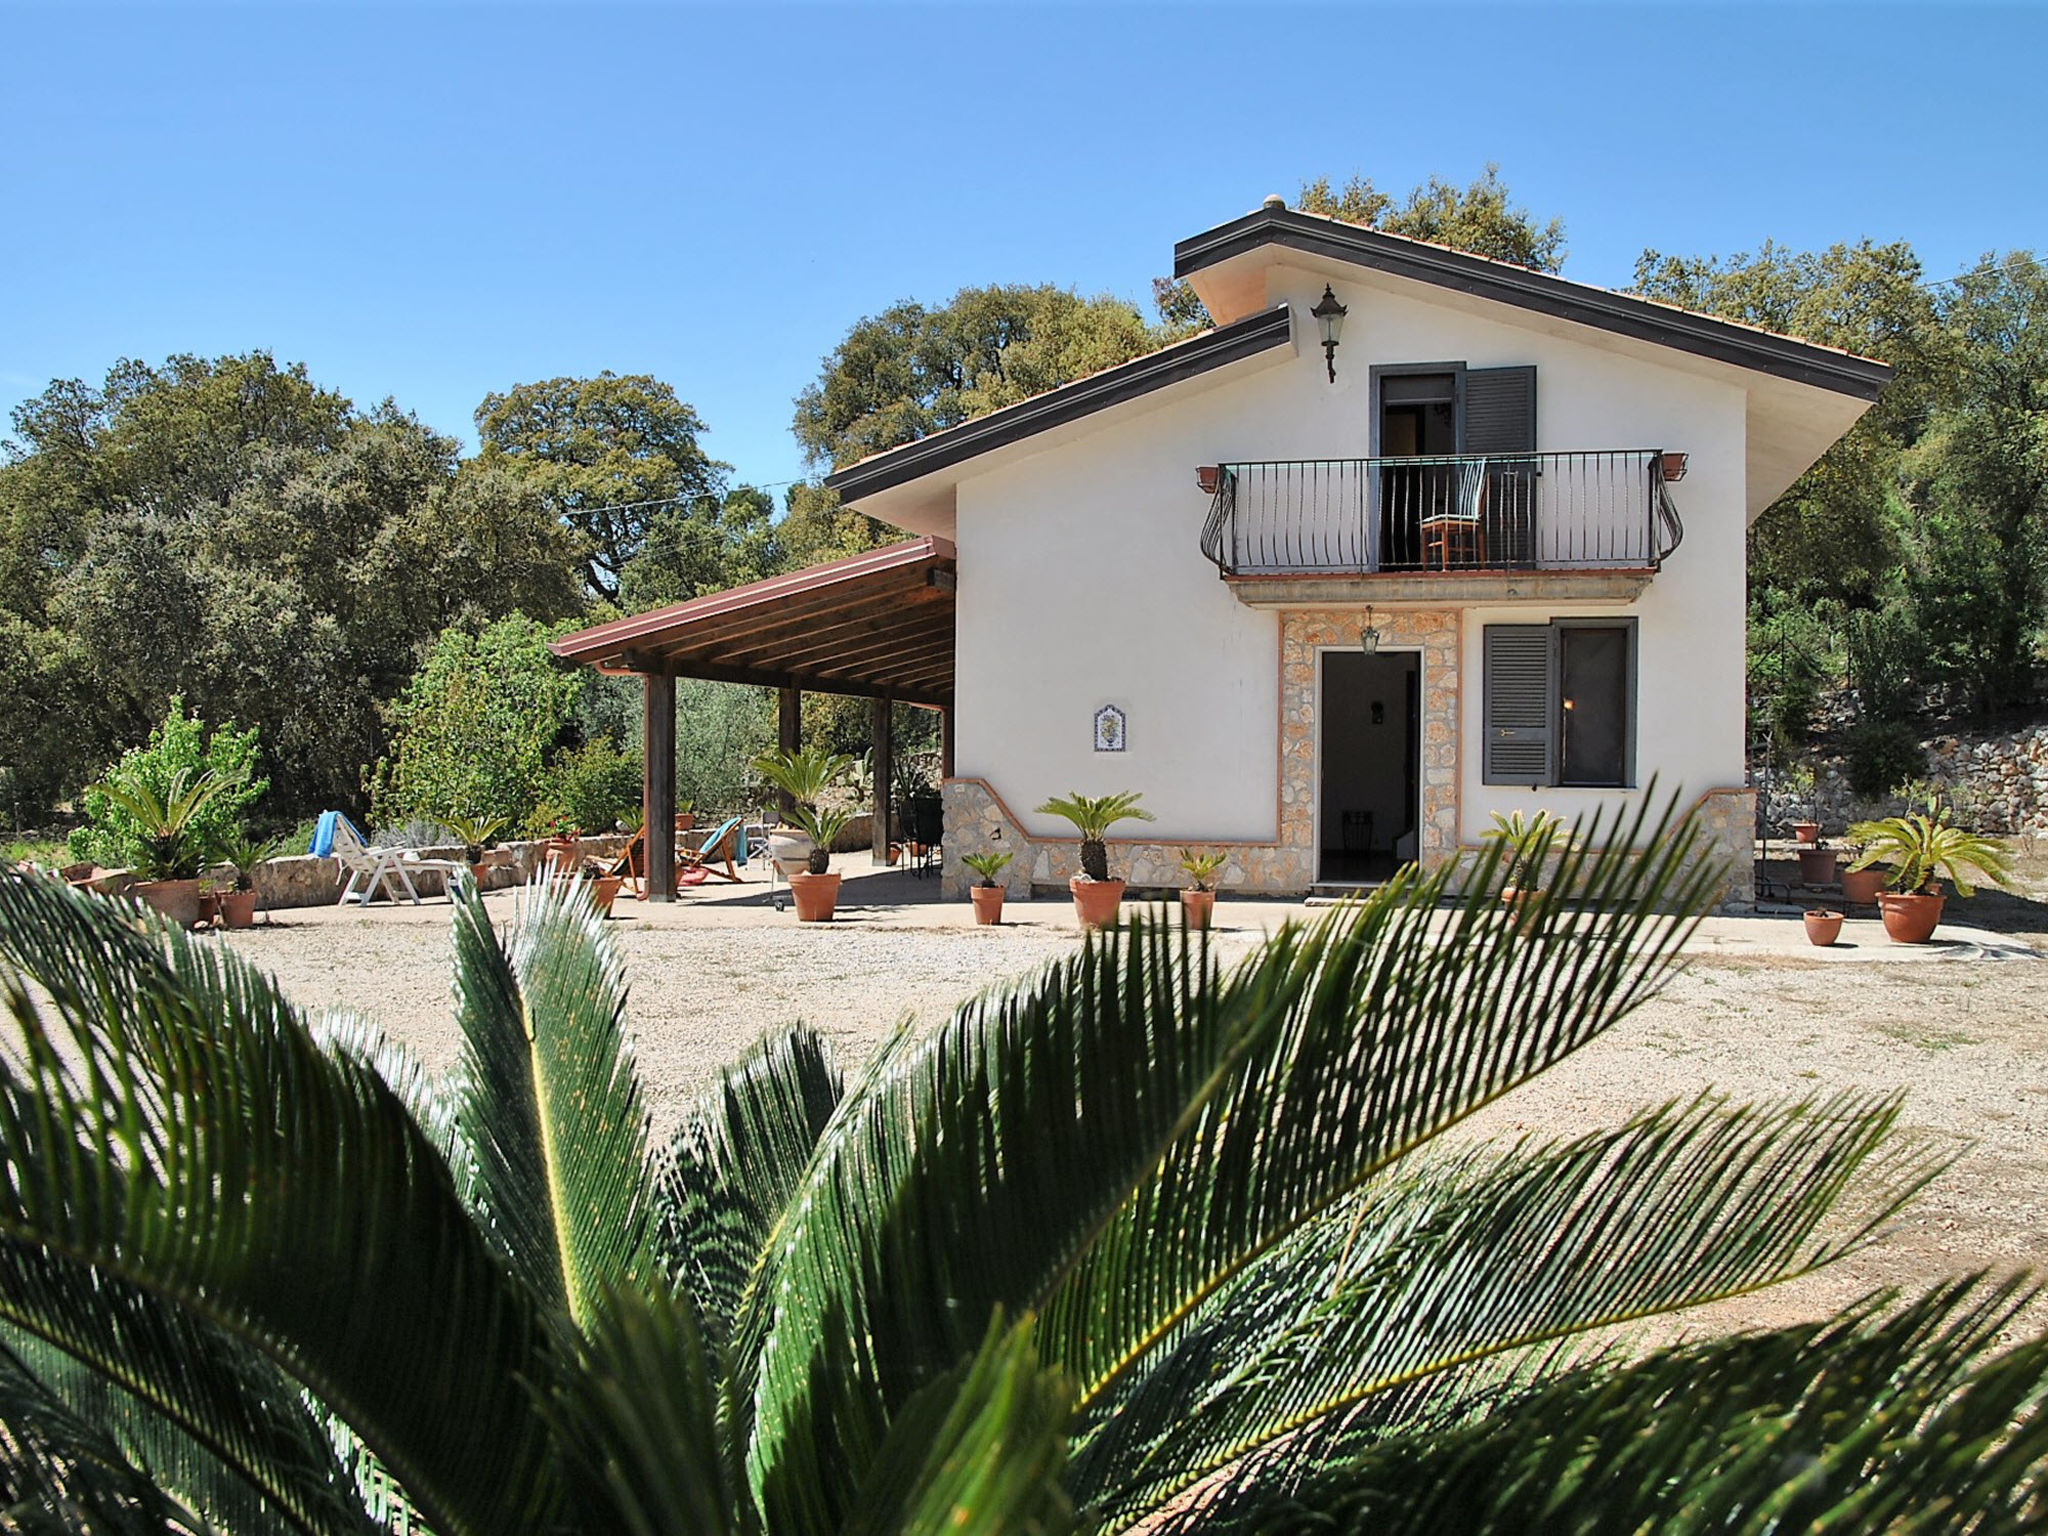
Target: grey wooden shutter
(1500, 419)
(1500, 410)
(1518, 714)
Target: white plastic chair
(390, 869)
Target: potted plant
(171, 851)
(1523, 843)
(1860, 885)
(1923, 850)
(475, 833)
(1816, 865)
(1096, 896)
(1823, 926)
(1198, 901)
(686, 817)
(603, 884)
(987, 896)
(805, 776)
(237, 904)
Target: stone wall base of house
(977, 821)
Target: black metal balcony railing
(1602, 510)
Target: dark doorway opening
(1369, 810)
(1418, 419)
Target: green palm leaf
(210, 1416)
(640, 1424)
(1907, 1423)
(1447, 1270)
(183, 1133)
(61, 1471)
(960, 1173)
(1391, 1022)
(738, 1157)
(549, 1100)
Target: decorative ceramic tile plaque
(1109, 729)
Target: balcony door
(1418, 419)
(1437, 411)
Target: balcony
(1467, 528)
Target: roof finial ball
(1275, 200)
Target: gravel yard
(1965, 1037)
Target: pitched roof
(1666, 325)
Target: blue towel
(739, 846)
(323, 834)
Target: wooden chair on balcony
(1459, 528)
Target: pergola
(877, 625)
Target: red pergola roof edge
(602, 640)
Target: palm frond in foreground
(1132, 1235)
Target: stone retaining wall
(1997, 784)
(304, 881)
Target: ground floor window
(1560, 703)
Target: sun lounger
(724, 845)
(372, 869)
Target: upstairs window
(1559, 703)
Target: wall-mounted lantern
(1330, 317)
(1369, 637)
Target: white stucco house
(1329, 608)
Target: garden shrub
(592, 786)
(180, 742)
(474, 730)
(1882, 754)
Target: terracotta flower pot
(478, 872)
(817, 896)
(1910, 918)
(1807, 832)
(1096, 901)
(237, 908)
(686, 821)
(1823, 927)
(1196, 907)
(1521, 902)
(176, 900)
(988, 904)
(604, 890)
(561, 856)
(209, 908)
(1864, 886)
(1817, 866)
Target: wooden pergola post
(658, 786)
(946, 742)
(789, 733)
(885, 773)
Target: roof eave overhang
(1243, 338)
(1623, 314)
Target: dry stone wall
(1997, 784)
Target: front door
(1369, 810)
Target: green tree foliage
(180, 747)
(913, 370)
(1975, 533)
(705, 545)
(1829, 535)
(226, 531)
(474, 733)
(601, 453)
(1481, 218)
(1119, 1230)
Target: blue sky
(431, 202)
